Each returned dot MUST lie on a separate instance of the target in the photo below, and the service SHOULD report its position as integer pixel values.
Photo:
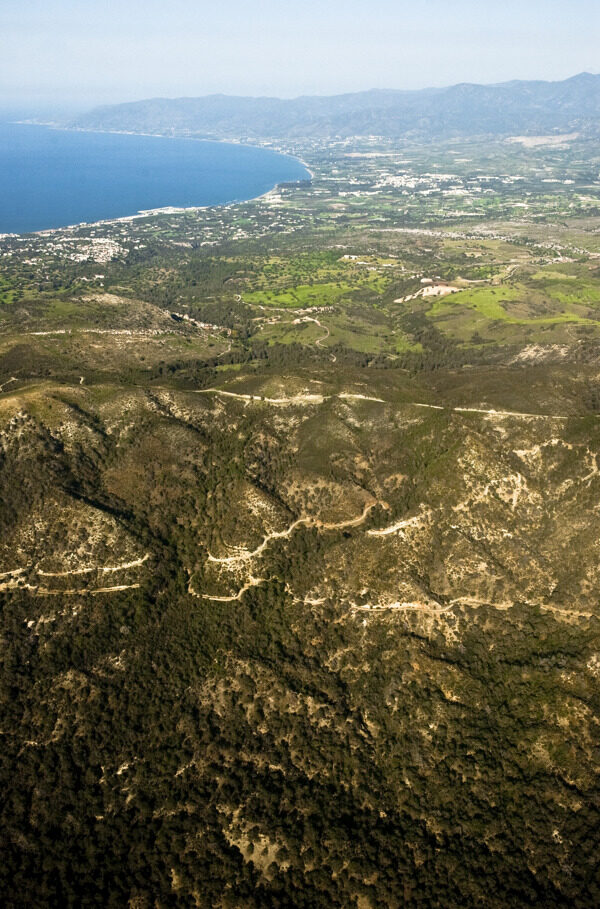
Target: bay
(53, 178)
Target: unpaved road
(320, 399)
(244, 554)
(8, 381)
(399, 525)
(294, 399)
(435, 608)
(501, 414)
(90, 591)
(15, 581)
(15, 584)
(252, 582)
(108, 569)
(318, 342)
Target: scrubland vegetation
(300, 508)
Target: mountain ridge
(459, 110)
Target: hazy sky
(86, 52)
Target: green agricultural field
(520, 309)
(302, 296)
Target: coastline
(129, 132)
(164, 210)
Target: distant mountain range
(509, 108)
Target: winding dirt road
(320, 399)
(8, 381)
(244, 554)
(109, 569)
(252, 582)
(294, 399)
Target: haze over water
(55, 178)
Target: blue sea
(56, 178)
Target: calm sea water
(55, 178)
